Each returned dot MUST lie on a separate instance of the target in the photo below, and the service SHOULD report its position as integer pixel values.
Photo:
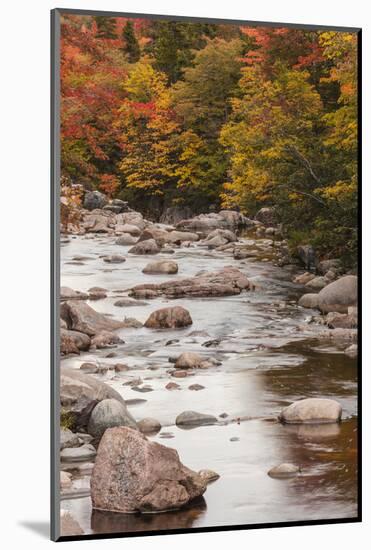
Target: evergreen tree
(106, 27)
(130, 43)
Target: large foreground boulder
(311, 411)
(169, 317)
(79, 394)
(108, 414)
(339, 295)
(83, 318)
(133, 474)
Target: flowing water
(271, 355)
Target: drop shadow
(41, 528)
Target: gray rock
(174, 214)
(181, 236)
(67, 293)
(317, 283)
(192, 418)
(108, 414)
(189, 360)
(94, 199)
(307, 255)
(149, 246)
(149, 425)
(105, 339)
(83, 318)
(208, 476)
(267, 216)
(311, 411)
(162, 266)
(133, 474)
(126, 240)
(129, 302)
(78, 454)
(114, 259)
(339, 295)
(304, 278)
(284, 470)
(68, 439)
(326, 265)
(309, 301)
(65, 480)
(169, 317)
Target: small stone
(172, 386)
(196, 387)
(85, 452)
(208, 476)
(284, 470)
(234, 439)
(149, 425)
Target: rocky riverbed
(243, 351)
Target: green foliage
(106, 27)
(67, 421)
(130, 43)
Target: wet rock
(129, 302)
(179, 374)
(97, 293)
(114, 259)
(228, 281)
(304, 278)
(126, 240)
(149, 246)
(134, 382)
(105, 339)
(172, 386)
(163, 266)
(309, 301)
(68, 439)
(192, 418)
(149, 425)
(208, 476)
(142, 389)
(284, 470)
(79, 393)
(72, 341)
(89, 368)
(317, 283)
(65, 480)
(83, 318)
(107, 414)
(307, 255)
(69, 526)
(339, 295)
(78, 454)
(67, 293)
(169, 317)
(189, 360)
(94, 199)
(311, 411)
(132, 474)
(196, 387)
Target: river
(271, 355)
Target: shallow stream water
(271, 356)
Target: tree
(130, 43)
(106, 27)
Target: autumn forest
(178, 114)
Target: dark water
(270, 357)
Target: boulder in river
(169, 317)
(318, 283)
(105, 339)
(79, 393)
(284, 470)
(126, 240)
(208, 476)
(78, 454)
(341, 320)
(133, 474)
(309, 301)
(339, 295)
(67, 293)
(72, 341)
(149, 246)
(162, 266)
(193, 419)
(94, 200)
(107, 414)
(83, 318)
(181, 236)
(189, 360)
(311, 411)
(114, 259)
(149, 425)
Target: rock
(89, 368)
(179, 373)
(67, 293)
(341, 320)
(225, 219)
(208, 476)
(228, 281)
(68, 439)
(62, 324)
(163, 266)
(317, 283)
(130, 229)
(142, 389)
(174, 214)
(216, 242)
(94, 200)
(311, 411)
(307, 255)
(83, 318)
(114, 259)
(78, 454)
(181, 236)
(172, 386)
(189, 360)
(121, 367)
(326, 265)
(97, 293)
(339, 295)
(267, 216)
(309, 301)
(304, 278)
(126, 240)
(108, 414)
(284, 470)
(79, 393)
(169, 317)
(149, 246)
(129, 302)
(105, 339)
(149, 425)
(226, 234)
(352, 350)
(72, 341)
(330, 276)
(234, 439)
(65, 480)
(133, 474)
(69, 526)
(192, 418)
(196, 387)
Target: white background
(24, 219)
